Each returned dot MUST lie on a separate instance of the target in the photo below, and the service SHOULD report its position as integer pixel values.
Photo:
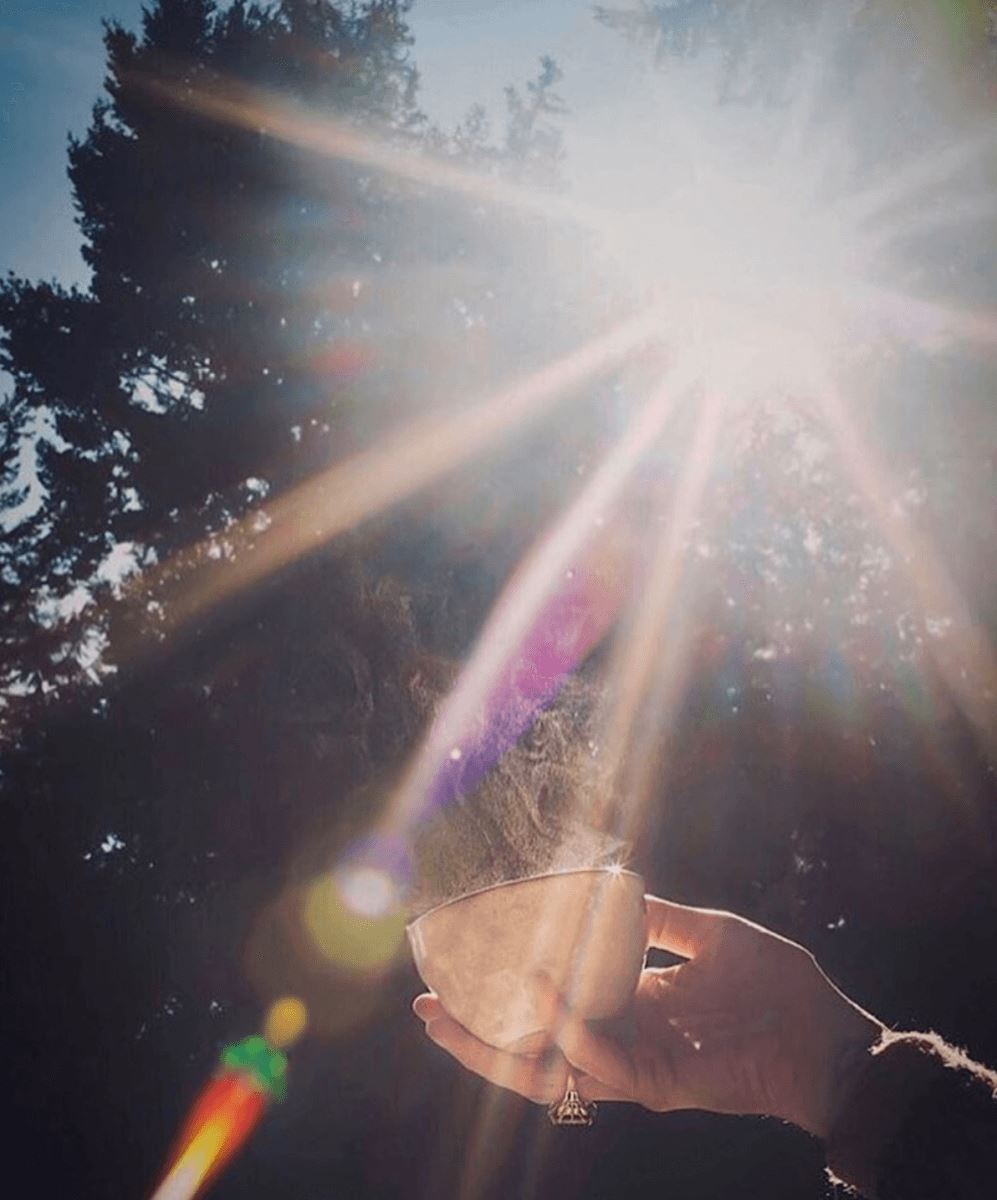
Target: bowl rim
(494, 887)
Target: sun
(769, 254)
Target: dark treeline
(257, 311)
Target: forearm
(919, 1122)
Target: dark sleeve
(919, 1123)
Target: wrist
(849, 1052)
(851, 1060)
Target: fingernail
(419, 1005)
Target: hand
(749, 1024)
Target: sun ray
(642, 655)
(542, 1134)
(534, 582)
(965, 658)
(649, 672)
(356, 489)
(947, 214)
(324, 136)
(801, 113)
(811, 77)
(926, 322)
(492, 1136)
(931, 171)
(518, 608)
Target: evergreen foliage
(256, 312)
(237, 333)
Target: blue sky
(51, 72)
(51, 66)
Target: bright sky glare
(51, 67)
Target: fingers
(610, 1066)
(536, 1079)
(590, 1088)
(679, 928)
(537, 1082)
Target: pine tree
(245, 324)
(255, 312)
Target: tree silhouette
(257, 311)
(237, 333)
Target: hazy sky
(51, 66)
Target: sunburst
(751, 248)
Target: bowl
(481, 952)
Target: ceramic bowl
(480, 953)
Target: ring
(571, 1109)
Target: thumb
(680, 929)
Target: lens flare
(251, 1074)
(370, 893)
(748, 266)
(484, 688)
(286, 1021)
(356, 918)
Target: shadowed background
(178, 761)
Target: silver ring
(571, 1109)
